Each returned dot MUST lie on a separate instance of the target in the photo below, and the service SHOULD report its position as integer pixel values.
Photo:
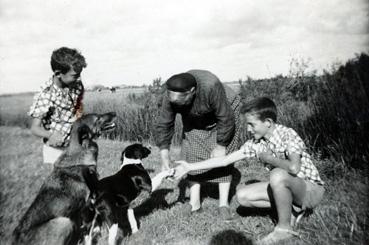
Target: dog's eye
(101, 208)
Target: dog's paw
(134, 230)
(169, 174)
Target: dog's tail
(16, 236)
(23, 231)
(20, 237)
(36, 215)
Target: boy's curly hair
(263, 107)
(63, 59)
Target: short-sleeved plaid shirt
(58, 107)
(283, 142)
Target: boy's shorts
(313, 195)
(51, 154)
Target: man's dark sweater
(210, 108)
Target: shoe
(278, 235)
(187, 210)
(225, 213)
(296, 215)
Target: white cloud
(136, 41)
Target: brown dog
(54, 215)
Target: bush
(330, 111)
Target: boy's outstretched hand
(181, 169)
(157, 179)
(169, 173)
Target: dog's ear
(145, 152)
(131, 151)
(136, 151)
(110, 115)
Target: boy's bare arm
(291, 165)
(54, 139)
(215, 162)
(38, 130)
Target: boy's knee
(278, 177)
(243, 198)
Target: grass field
(342, 217)
(330, 112)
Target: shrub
(329, 111)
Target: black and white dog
(113, 195)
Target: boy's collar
(271, 133)
(275, 135)
(54, 82)
(49, 84)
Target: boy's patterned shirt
(283, 142)
(58, 107)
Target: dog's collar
(127, 161)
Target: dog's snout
(112, 114)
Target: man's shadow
(209, 189)
(156, 200)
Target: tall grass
(137, 113)
(329, 111)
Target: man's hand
(181, 169)
(56, 139)
(218, 151)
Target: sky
(133, 42)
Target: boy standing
(59, 103)
(294, 181)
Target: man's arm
(225, 119)
(164, 132)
